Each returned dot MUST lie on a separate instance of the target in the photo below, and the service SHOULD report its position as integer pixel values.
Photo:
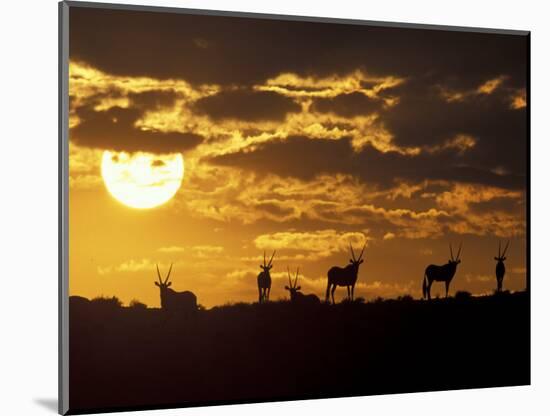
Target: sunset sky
(298, 137)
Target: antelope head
(502, 256)
(166, 284)
(356, 261)
(455, 260)
(292, 287)
(266, 267)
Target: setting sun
(142, 180)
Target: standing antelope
(171, 300)
(296, 296)
(346, 276)
(500, 269)
(443, 273)
(264, 280)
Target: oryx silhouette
(500, 268)
(443, 273)
(344, 276)
(171, 300)
(264, 280)
(297, 297)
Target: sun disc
(142, 180)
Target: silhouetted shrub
(378, 299)
(359, 300)
(405, 298)
(78, 300)
(106, 302)
(136, 304)
(463, 295)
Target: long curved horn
(505, 248)
(158, 273)
(296, 279)
(459, 250)
(361, 255)
(271, 259)
(352, 252)
(264, 259)
(169, 271)
(451, 248)
(289, 278)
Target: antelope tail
(424, 287)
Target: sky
(298, 137)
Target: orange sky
(299, 155)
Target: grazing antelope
(344, 276)
(296, 296)
(500, 269)
(443, 273)
(171, 300)
(264, 280)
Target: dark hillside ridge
(126, 358)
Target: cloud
(247, 105)
(318, 244)
(425, 209)
(130, 266)
(153, 99)
(486, 88)
(389, 236)
(461, 143)
(350, 86)
(84, 171)
(519, 99)
(383, 169)
(197, 251)
(348, 104)
(218, 49)
(113, 129)
(172, 249)
(206, 251)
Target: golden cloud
(232, 135)
(519, 99)
(460, 142)
(487, 88)
(296, 86)
(321, 243)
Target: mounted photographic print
(264, 208)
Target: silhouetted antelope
(443, 273)
(500, 269)
(171, 300)
(346, 276)
(296, 296)
(264, 280)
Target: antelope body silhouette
(500, 268)
(173, 301)
(264, 280)
(344, 276)
(296, 296)
(443, 273)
